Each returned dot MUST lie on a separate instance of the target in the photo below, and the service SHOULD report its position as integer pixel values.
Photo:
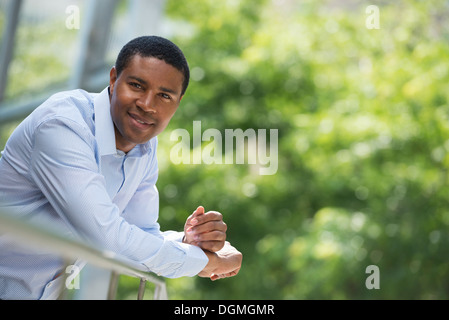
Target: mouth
(140, 121)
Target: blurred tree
(363, 147)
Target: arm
(64, 168)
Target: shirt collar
(104, 127)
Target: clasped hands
(207, 230)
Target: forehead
(154, 71)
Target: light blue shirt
(61, 167)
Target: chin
(146, 139)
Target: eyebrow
(168, 90)
(143, 82)
(137, 79)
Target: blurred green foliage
(38, 61)
(363, 146)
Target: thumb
(198, 211)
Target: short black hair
(157, 47)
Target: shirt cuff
(196, 260)
(173, 235)
(176, 259)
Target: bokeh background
(363, 122)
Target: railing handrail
(40, 237)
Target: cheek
(118, 114)
(115, 110)
(119, 102)
(170, 113)
(122, 95)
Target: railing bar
(141, 291)
(15, 110)
(157, 293)
(8, 41)
(113, 284)
(69, 249)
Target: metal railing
(36, 236)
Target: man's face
(143, 100)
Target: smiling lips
(142, 123)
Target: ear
(112, 79)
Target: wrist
(212, 256)
(211, 264)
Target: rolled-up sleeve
(64, 166)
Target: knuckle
(208, 246)
(221, 236)
(217, 246)
(215, 215)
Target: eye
(165, 96)
(135, 85)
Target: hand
(222, 264)
(205, 230)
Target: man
(86, 164)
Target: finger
(212, 246)
(214, 277)
(209, 216)
(193, 219)
(211, 236)
(209, 227)
(198, 211)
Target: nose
(147, 103)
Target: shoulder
(69, 103)
(63, 111)
(73, 107)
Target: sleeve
(64, 167)
(140, 212)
